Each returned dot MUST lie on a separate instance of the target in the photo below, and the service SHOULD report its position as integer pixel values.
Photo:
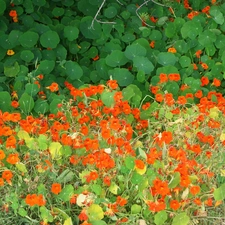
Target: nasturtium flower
(10, 52)
(56, 188)
(13, 13)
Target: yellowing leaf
(218, 203)
(21, 167)
(138, 144)
(68, 221)
(213, 112)
(54, 149)
(23, 135)
(222, 173)
(113, 188)
(141, 171)
(222, 137)
(95, 212)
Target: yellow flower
(10, 52)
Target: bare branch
(99, 21)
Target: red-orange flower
(56, 188)
(112, 84)
(216, 82)
(13, 13)
(194, 190)
(13, 158)
(174, 204)
(7, 175)
(139, 164)
(2, 154)
(53, 87)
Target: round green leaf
(5, 101)
(3, 7)
(135, 209)
(89, 31)
(172, 87)
(31, 89)
(46, 66)
(191, 29)
(29, 7)
(54, 105)
(108, 98)
(166, 58)
(143, 64)
(127, 93)
(61, 52)
(110, 12)
(136, 178)
(26, 55)
(170, 30)
(135, 50)
(28, 39)
(58, 11)
(123, 76)
(216, 14)
(49, 39)
(66, 192)
(13, 38)
(26, 103)
(184, 61)
(73, 70)
(181, 218)
(181, 46)
(141, 76)
(128, 37)
(116, 59)
(71, 33)
(12, 71)
(160, 218)
(206, 38)
(39, 2)
(155, 35)
(87, 8)
(129, 162)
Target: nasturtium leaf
(147, 114)
(142, 63)
(68, 221)
(108, 98)
(71, 33)
(181, 218)
(31, 89)
(95, 212)
(87, 8)
(46, 66)
(130, 162)
(98, 222)
(116, 59)
(160, 218)
(66, 193)
(46, 214)
(22, 212)
(141, 76)
(42, 142)
(13, 38)
(66, 176)
(155, 35)
(61, 52)
(216, 14)
(206, 37)
(219, 193)
(175, 180)
(128, 37)
(28, 39)
(39, 2)
(162, 20)
(166, 58)
(125, 15)
(26, 55)
(26, 103)
(41, 106)
(5, 101)
(91, 52)
(114, 188)
(49, 39)
(73, 70)
(184, 61)
(3, 7)
(170, 30)
(220, 41)
(172, 87)
(135, 208)
(110, 12)
(90, 30)
(58, 11)
(23, 135)
(21, 167)
(127, 93)
(135, 50)
(55, 150)
(136, 178)
(96, 188)
(12, 71)
(123, 76)
(191, 29)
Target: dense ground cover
(112, 112)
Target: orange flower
(7, 175)
(195, 190)
(107, 181)
(174, 76)
(121, 201)
(13, 158)
(152, 44)
(96, 58)
(11, 142)
(195, 67)
(13, 13)
(204, 81)
(197, 201)
(199, 94)
(172, 50)
(56, 188)
(2, 154)
(53, 87)
(15, 104)
(198, 53)
(204, 66)
(31, 199)
(174, 204)
(216, 82)
(206, 9)
(139, 164)
(182, 100)
(92, 176)
(163, 78)
(154, 89)
(1, 182)
(10, 52)
(112, 84)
